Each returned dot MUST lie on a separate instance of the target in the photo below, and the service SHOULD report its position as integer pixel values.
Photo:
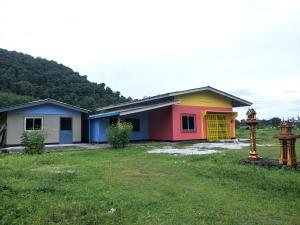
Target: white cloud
(148, 47)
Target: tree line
(24, 78)
(273, 122)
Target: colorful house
(197, 114)
(61, 122)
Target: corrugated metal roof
(41, 102)
(133, 110)
(236, 101)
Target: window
(113, 121)
(33, 123)
(188, 123)
(65, 123)
(135, 124)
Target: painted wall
(51, 115)
(99, 126)
(143, 134)
(47, 109)
(98, 130)
(51, 125)
(201, 122)
(178, 134)
(204, 99)
(161, 124)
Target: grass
(81, 187)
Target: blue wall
(98, 129)
(99, 126)
(143, 134)
(46, 109)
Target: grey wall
(51, 125)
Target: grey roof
(41, 102)
(133, 110)
(236, 101)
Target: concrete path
(58, 147)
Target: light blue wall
(143, 134)
(46, 109)
(98, 130)
(99, 126)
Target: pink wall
(178, 110)
(177, 133)
(165, 123)
(161, 124)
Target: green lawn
(80, 187)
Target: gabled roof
(236, 101)
(42, 102)
(133, 110)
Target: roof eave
(41, 102)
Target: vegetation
(8, 99)
(130, 186)
(33, 141)
(25, 75)
(271, 123)
(118, 135)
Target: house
(61, 122)
(197, 114)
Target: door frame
(60, 130)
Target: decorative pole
(287, 144)
(252, 122)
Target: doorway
(66, 134)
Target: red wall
(161, 124)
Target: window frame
(33, 117)
(181, 123)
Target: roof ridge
(171, 94)
(50, 100)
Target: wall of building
(99, 126)
(161, 124)
(201, 121)
(98, 130)
(143, 134)
(178, 134)
(204, 99)
(51, 115)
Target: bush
(118, 135)
(33, 141)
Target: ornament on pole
(252, 121)
(287, 144)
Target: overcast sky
(142, 48)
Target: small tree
(33, 141)
(118, 135)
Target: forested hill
(24, 78)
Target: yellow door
(218, 126)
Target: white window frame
(33, 117)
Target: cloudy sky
(143, 48)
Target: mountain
(24, 78)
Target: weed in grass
(63, 175)
(44, 187)
(46, 161)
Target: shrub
(33, 141)
(118, 135)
